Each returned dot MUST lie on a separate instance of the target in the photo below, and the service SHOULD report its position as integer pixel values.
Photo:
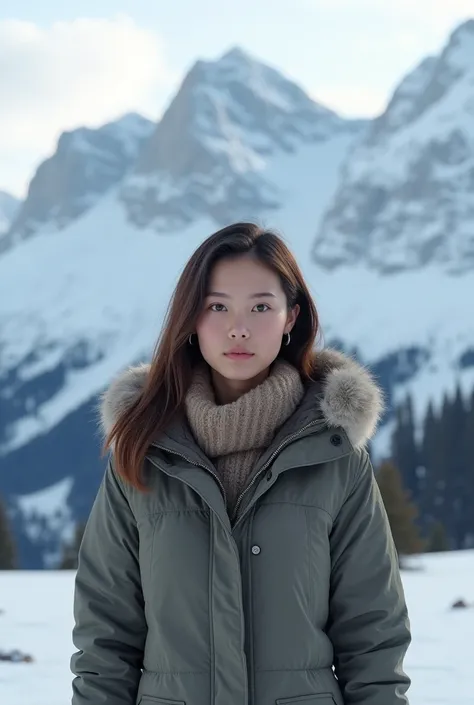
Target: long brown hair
(174, 359)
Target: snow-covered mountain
(210, 154)
(86, 164)
(9, 206)
(406, 197)
(238, 142)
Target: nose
(239, 331)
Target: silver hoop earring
(190, 339)
(288, 339)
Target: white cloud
(375, 43)
(441, 12)
(435, 14)
(84, 71)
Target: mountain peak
(405, 200)
(246, 79)
(464, 29)
(86, 164)
(210, 151)
(235, 55)
(459, 51)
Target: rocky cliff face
(86, 165)
(405, 198)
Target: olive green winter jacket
(296, 599)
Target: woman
(238, 552)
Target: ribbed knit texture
(234, 435)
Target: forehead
(244, 273)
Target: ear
(291, 318)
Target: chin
(239, 375)
(240, 371)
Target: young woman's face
(245, 310)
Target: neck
(229, 390)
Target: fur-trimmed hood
(350, 397)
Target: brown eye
(266, 308)
(217, 310)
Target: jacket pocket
(159, 701)
(315, 699)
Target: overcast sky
(63, 65)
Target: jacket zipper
(282, 445)
(269, 462)
(200, 465)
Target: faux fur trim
(350, 399)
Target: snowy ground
(37, 619)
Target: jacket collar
(342, 396)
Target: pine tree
(431, 458)
(405, 452)
(71, 550)
(469, 456)
(401, 511)
(438, 539)
(7, 545)
(452, 433)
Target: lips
(237, 354)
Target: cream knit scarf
(234, 435)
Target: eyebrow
(259, 295)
